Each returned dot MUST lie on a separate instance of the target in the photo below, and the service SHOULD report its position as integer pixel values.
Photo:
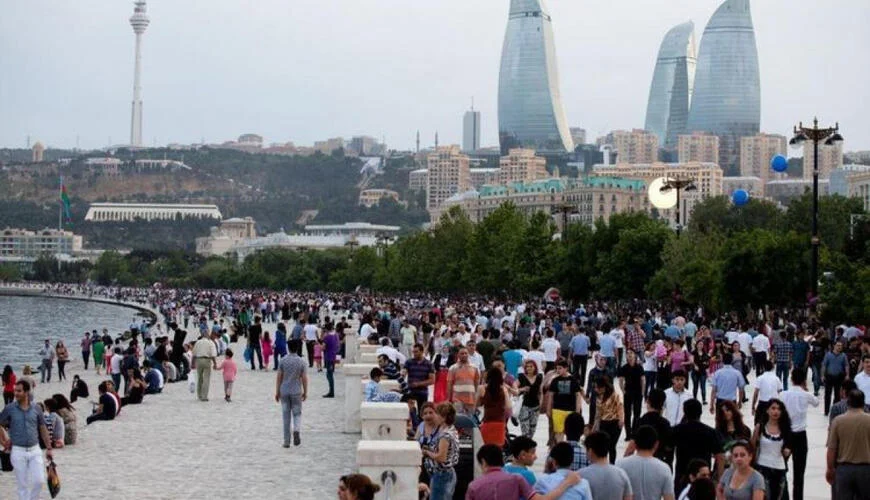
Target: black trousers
(309, 348)
(611, 427)
(799, 460)
(758, 360)
(832, 389)
(579, 368)
(257, 349)
(631, 403)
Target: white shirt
(551, 349)
(116, 363)
(768, 386)
(744, 339)
(310, 332)
(761, 343)
(537, 357)
(796, 401)
(476, 360)
(862, 380)
(366, 331)
(392, 353)
(674, 400)
(731, 336)
(619, 336)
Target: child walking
(229, 367)
(266, 347)
(318, 355)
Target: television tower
(139, 21)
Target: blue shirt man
(727, 383)
(690, 328)
(672, 332)
(512, 361)
(607, 345)
(560, 459)
(580, 345)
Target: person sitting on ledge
(154, 379)
(373, 389)
(108, 405)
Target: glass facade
(727, 95)
(530, 111)
(671, 90)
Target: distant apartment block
(699, 147)
(328, 146)
(372, 197)
(482, 176)
(418, 179)
(830, 159)
(752, 185)
(635, 146)
(471, 131)
(448, 174)
(20, 243)
(521, 165)
(578, 135)
(756, 151)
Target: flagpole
(60, 206)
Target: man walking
(650, 478)
(420, 375)
(86, 349)
(204, 357)
(579, 351)
(254, 334)
(47, 356)
(26, 425)
(848, 456)
(463, 380)
(728, 385)
(782, 352)
(331, 346)
(291, 389)
(796, 401)
(312, 335)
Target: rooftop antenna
(418, 141)
(436, 139)
(472, 103)
(28, 141)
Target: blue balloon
(740, 197)
(779, 163)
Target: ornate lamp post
(565, 209)
(830, 136)
(679, 185)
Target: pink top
(678, 357)
(229, 367)
(267, 347)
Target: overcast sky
(304, 70)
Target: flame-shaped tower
(139, 21)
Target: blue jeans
(782, 373)
(442, 484)
(817, 377)
(700, 382)
(330, 375)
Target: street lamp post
(565, 209)
(830, 136)
(679, 185)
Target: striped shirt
(465, 380)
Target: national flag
(64, 200)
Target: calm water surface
(25, 322)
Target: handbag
(249, 354)
(52, 478)
(5, 461)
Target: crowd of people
(597, 374)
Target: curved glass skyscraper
(530, 111)
(727, 96)
(671, 90)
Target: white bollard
(353, 376)
(396, 463)
(368, 358)
(351, 349)
(365, 348)
(384, 421)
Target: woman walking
(98, 348)
(9, 380)
(441, 450)
(62, 359)
(280, 346)
(495, 401)
(266, 347)
(772, 437)
(741, 482)
(442, 363)
(530, 383)
(609, 413)
(699, 367)
(730, 426)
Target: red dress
(440, 393)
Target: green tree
(111, 268)
(834, 223)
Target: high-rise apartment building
(471, 131)
(698, 147)
(636, 146)
(521, 165)
(727, 95)
(756, 152)
(448, 174)
(530, 110)
(670, 92)
(830, 158)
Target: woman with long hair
(442, 363)
(700, 365)
(62, 359)
(609, 413)
(772, 438)
(495, 400)
(730, 426)
(68, 414)
(441, 450)
(357, 487)
(9, 380)
(530, 383)
(741, 481)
